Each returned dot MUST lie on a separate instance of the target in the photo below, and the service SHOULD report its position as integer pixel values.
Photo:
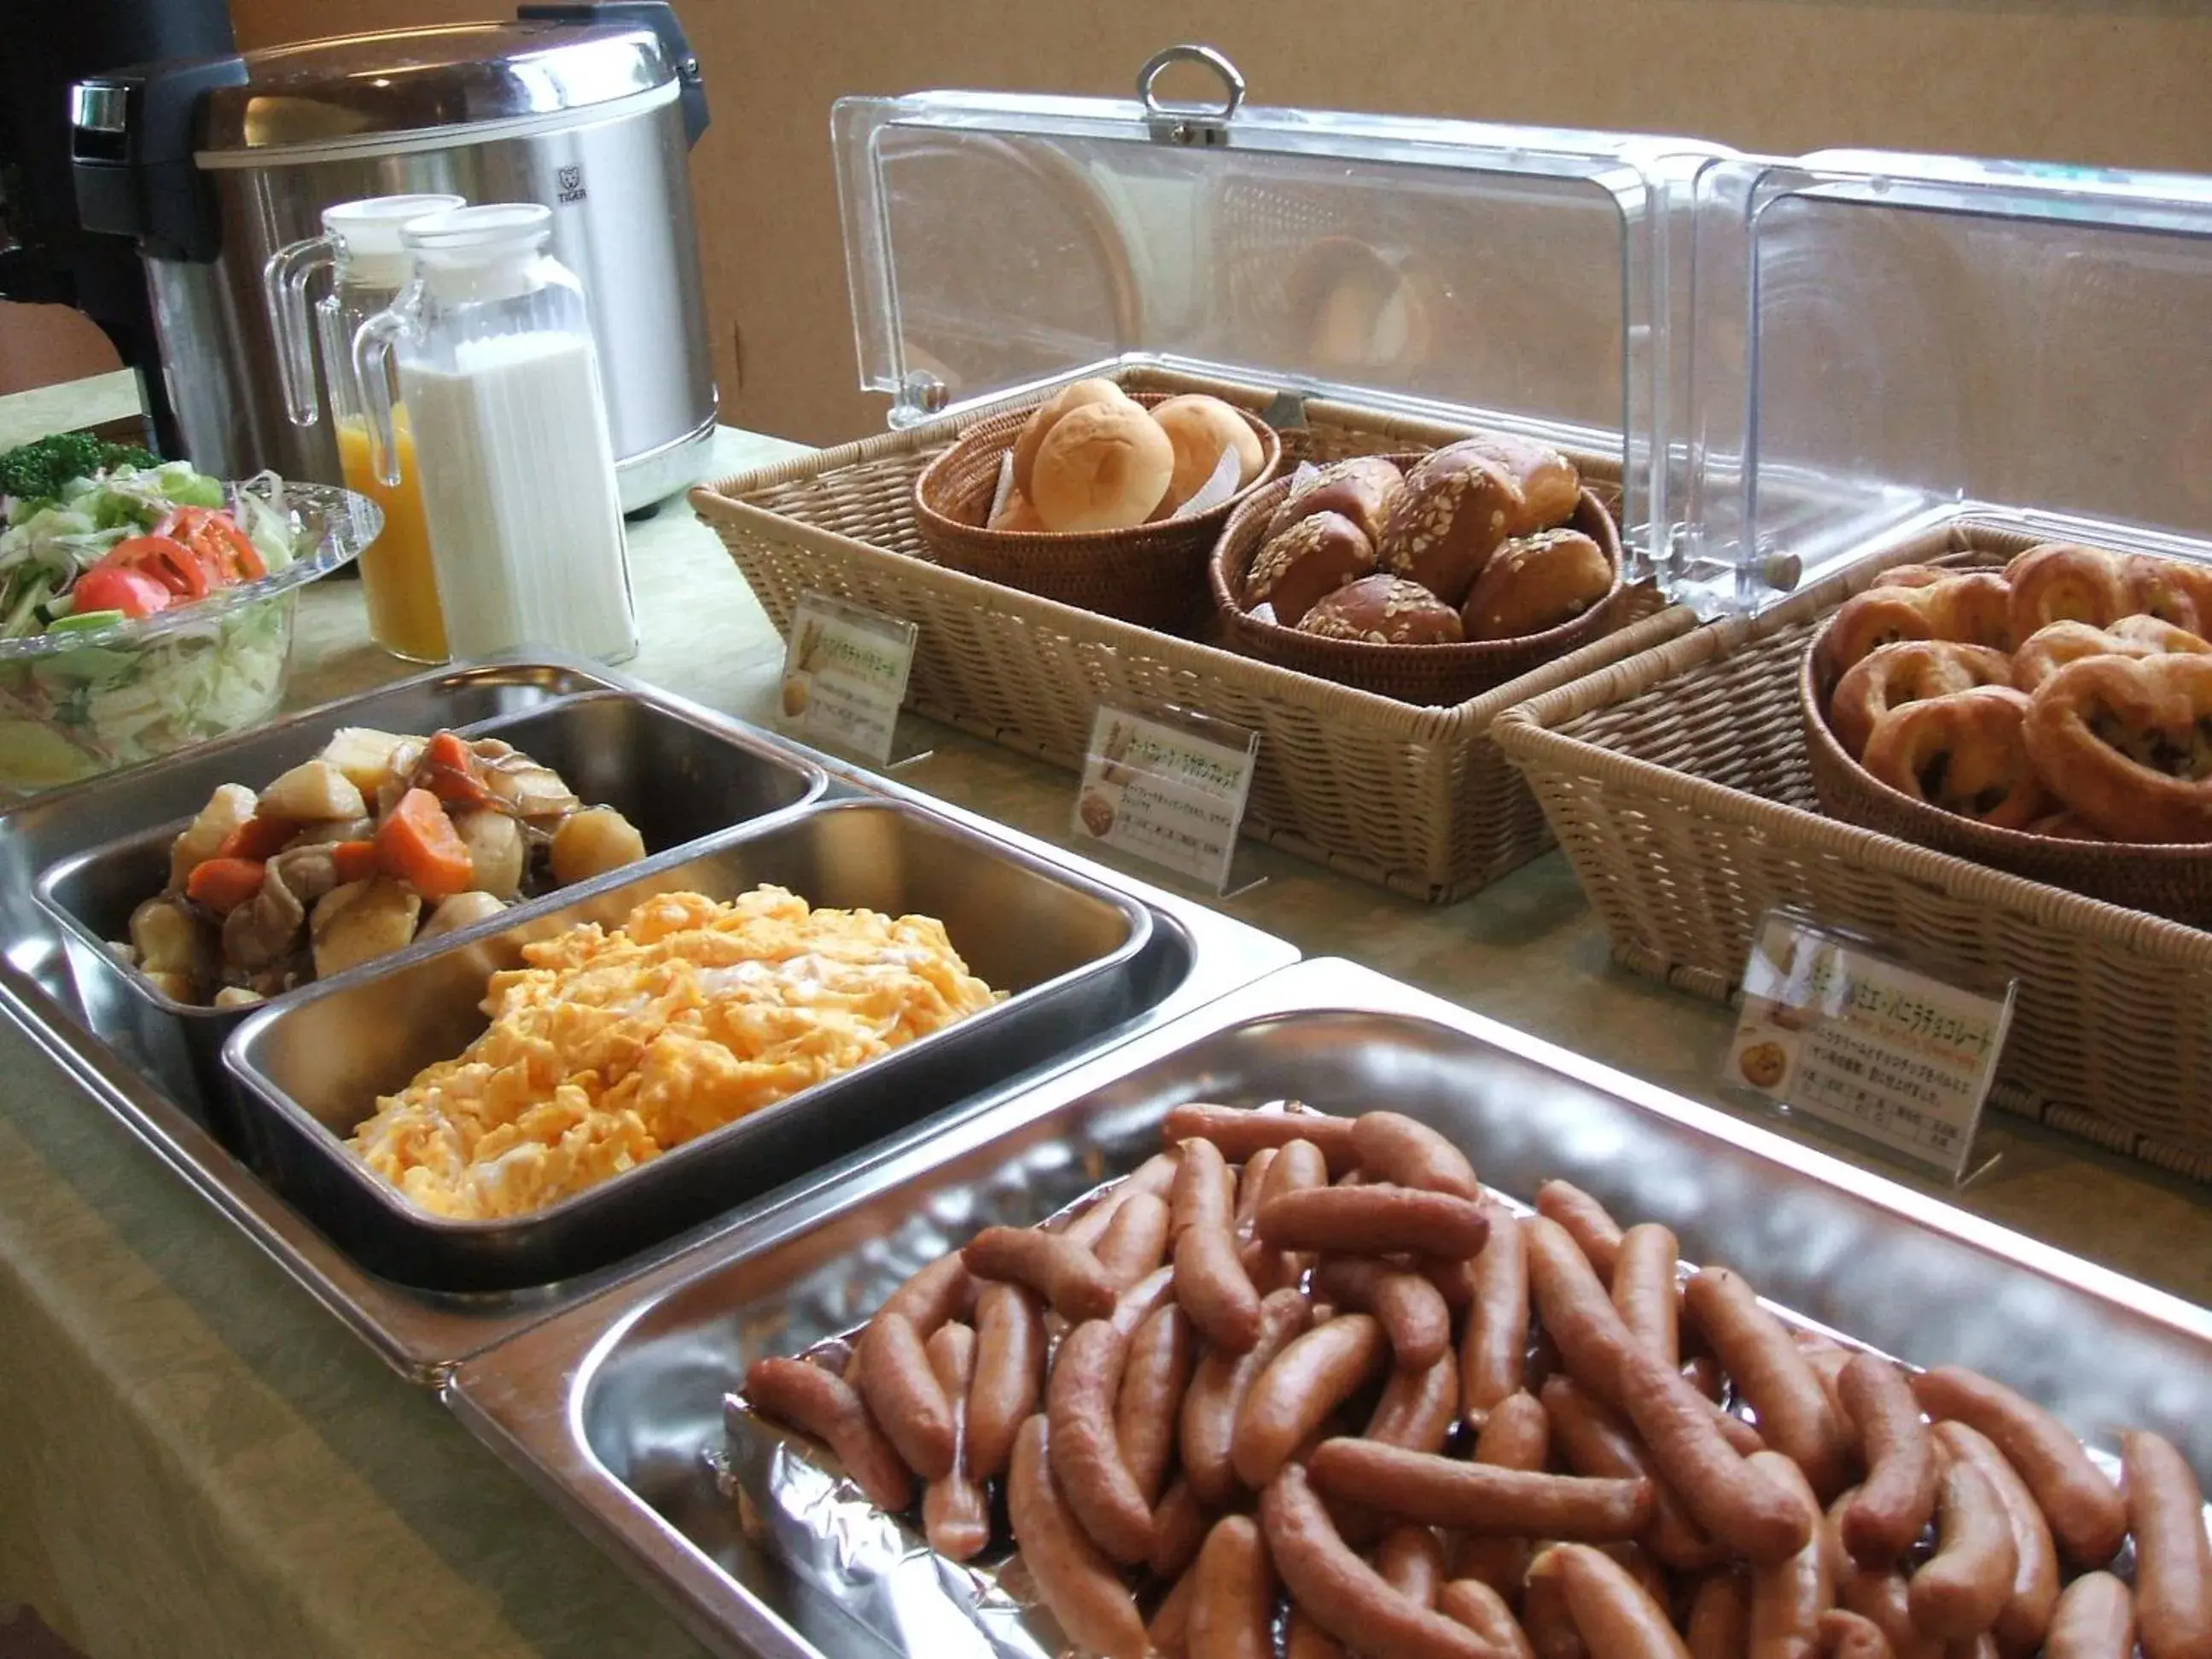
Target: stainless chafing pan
(1061, 946)
(678, 779)
(615, 1408)
(1194, 955)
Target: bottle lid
(468, 251)
(367, 232)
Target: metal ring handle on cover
(1232, 83)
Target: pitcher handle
(284, 291)
(372, 364)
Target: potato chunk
(496, 848)
(362, 754)
(594, 841)
(462, 910)
(312, 792)
(237, 996)
(230, 805)
(168, 939)
(360, 922)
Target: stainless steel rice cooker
(213, 164)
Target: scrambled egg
(609, 1048)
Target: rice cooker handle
(659, 17)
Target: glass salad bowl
(77, 702)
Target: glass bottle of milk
(501, 380)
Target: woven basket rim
(1467, 654)
(1527, 732)
(723, 500)
(995, 431)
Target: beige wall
(2113, 82)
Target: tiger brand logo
(571, 181)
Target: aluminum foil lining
(876, 1568)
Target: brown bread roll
(1383, 610)
(1363, 490)
(1457, 507)
(1537, 582)
(1550, 485)
(1310, 561)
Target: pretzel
(1964, 753)
(2171, 590)
(2061, 581)
(1911, 670)
(2046, 651)
(1970, 608)
(2127, 743)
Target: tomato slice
(115, 588)
(225, 551)
(164, 558)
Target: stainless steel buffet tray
(614, 1409)
(1192, 956)
(678, 779)
(1062, 949)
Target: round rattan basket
(2167, 879)
(1153, 575)
(1439, 675)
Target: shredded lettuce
(67, 714)
(76, 714)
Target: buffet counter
(195, 1459)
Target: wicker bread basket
(1679, 784)
(1153, 575)
(1428, 674)
(1417, 799)
(2167, 880)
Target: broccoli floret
(42, 469)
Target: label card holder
(1167, 785)
(845, 671)
(1839, 1029)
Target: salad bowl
(94, 691)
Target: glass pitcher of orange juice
(368, 266)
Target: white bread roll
(1201, 428)
(1048, 415)
(1104, 466)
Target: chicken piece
(518, 783)
(230, 805)
(462, 910)
(594, 841)
(262, 933)
(313, 792)
(237, 996)
(496, 848)
(360, 922)
(177, 987)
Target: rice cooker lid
(412, 88)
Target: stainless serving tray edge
(526, 1398)
(423, 1337)
(311, 1139)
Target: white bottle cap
(367, 232)
(479, 252)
